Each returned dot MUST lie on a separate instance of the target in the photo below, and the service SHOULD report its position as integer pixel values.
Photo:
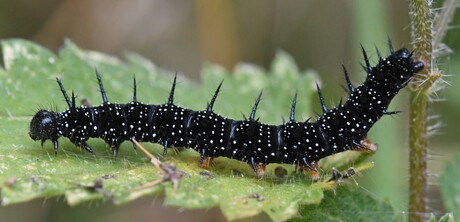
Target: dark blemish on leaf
(207, 174)
(109, 176)
(257, 197)
(350, 172)
(97, 186)
(33, 179)
(280, 172)
(237, 172)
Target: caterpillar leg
(115, 148)
(134, 147)
(205, 162)
(82, 144)
(365, 145)
(55, 144)
(165, 148)
(312, 169)
(87, 147)
(259, 168)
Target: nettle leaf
(348, 204)
(28, 171)
(450, 188)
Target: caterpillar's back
(342, 128)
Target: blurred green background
(183, 35)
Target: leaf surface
(28, 171)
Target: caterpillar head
(44, 126)
(405, 64)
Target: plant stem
(417, 157)
(418, 140)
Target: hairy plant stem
(417, 157)
(419, 102)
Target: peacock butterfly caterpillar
(341, 128)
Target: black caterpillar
(339, 129)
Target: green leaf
(448, 217)
(348, 204)
(450, 189)
(27, 171)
